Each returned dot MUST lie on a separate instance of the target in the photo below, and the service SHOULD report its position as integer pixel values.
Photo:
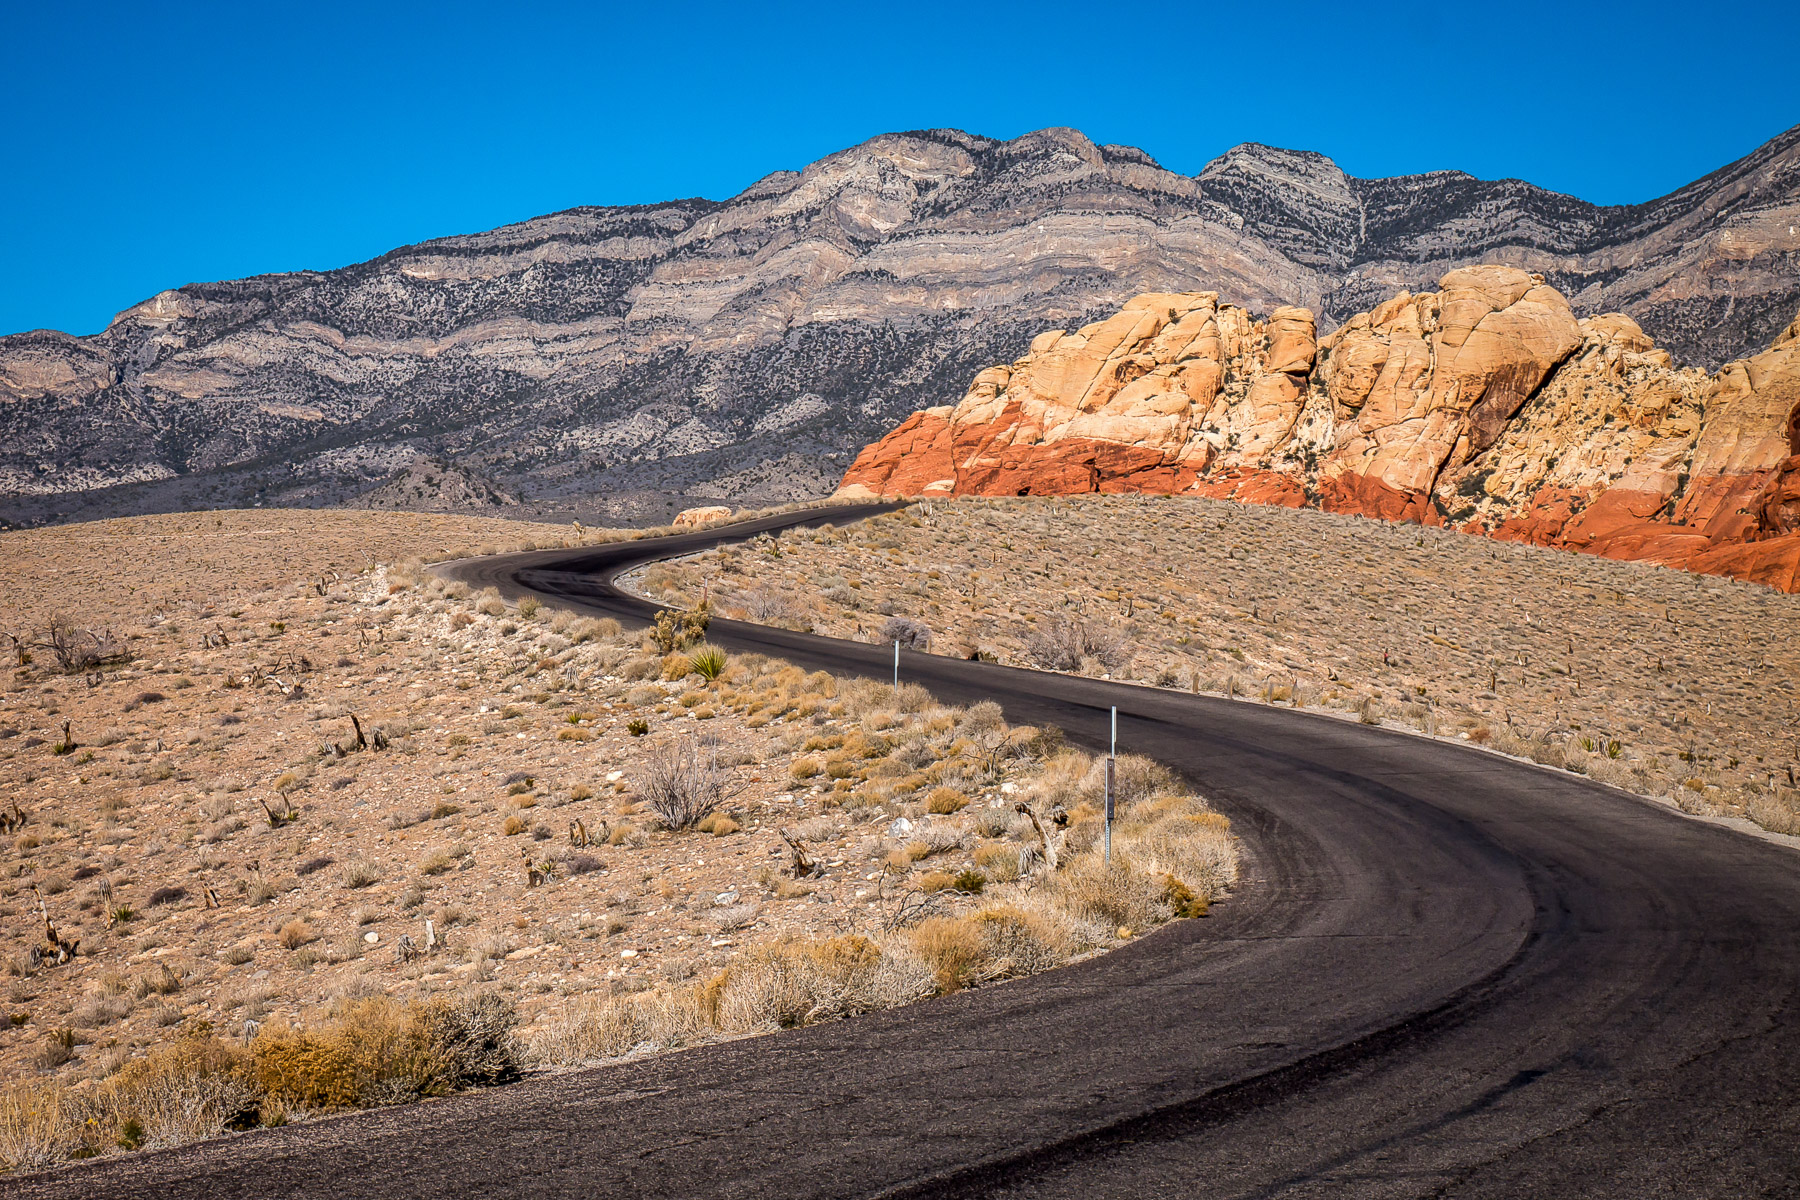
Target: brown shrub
(945, 800)
(598, 1027)
(952, 947)
(1020, 941)
(40, 1125)
(796, 983)
(378, 1051)
(194, 1087)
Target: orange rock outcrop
(1486, 405)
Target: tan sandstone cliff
(1486, 405)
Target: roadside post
(896, 664)
(1112, 757)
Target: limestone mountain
(1486, 405)
(635, 357)
(433, 485)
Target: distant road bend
(1446, 974)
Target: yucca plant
(708, 662)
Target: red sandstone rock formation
(1486, 406)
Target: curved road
(1446, 974)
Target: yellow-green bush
(378, 1051)
(372, 1052)
(953, 948)
(945, 800)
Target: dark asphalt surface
(1445, 974)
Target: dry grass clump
(945, 800)
(376, 1051)
(998, 942)
(598, 1027)
(195, 1087)
(798, 983)
(1775, 812)
(40, 1125)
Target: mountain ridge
(625, 355)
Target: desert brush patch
(1665, 684)
(294, 825)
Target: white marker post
(896, 664)
(1112, 757)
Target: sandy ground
(1665, 683)
(248, 641)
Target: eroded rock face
(1486, 405)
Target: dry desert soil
(200, 817)
(1658, 681)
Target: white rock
(726, 898)
(900, 826)
(1009, 787)
(371, 937)
(628, 954)
(614, 776)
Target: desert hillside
(278, 799)
(1487, 406)
(1664, 683)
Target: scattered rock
(703, 515)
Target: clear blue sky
(147, 146)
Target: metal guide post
(1112, 758)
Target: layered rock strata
(744, 349)
(1487, 405)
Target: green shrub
(708, 662)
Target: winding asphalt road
(1446, 974)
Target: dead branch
(912, 907)
(79, 650)
(803, 866)
(536, 873)
(1049, 843)
(57, 949)
(286, 815)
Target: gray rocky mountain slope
(625, 360)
